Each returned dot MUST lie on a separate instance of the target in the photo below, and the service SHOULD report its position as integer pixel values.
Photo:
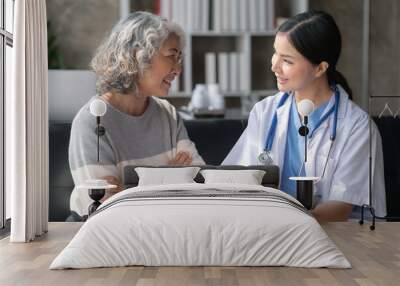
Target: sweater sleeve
(83, 152)
(185, 144)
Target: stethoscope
(265, 157)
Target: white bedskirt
(202, 231)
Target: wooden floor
(374, 255)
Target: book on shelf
(270, 17)
(204, 15)
(217, 12)
(211, 68)
(192, 24)
(234, 72)
(262, 15)
(253, 15)
(243, 16)
(223, 15)
(223, 71)
(234, 15)
(244, 79)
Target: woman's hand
(110, 192)
(181, 159)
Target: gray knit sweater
(153, 138)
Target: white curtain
(27, 124)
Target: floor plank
(374, 255)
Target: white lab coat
(346, 176)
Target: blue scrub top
(295, 146)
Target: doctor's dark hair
(315, 35)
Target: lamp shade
(98, 107)
(305, 107)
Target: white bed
(201, 224)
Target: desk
(374, 255)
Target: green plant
(55, 58)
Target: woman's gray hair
(127, 52)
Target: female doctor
(306, 51)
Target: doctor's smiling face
(292, 70)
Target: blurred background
(227, 40)
(229, 44)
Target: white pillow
(248, 177)
(165, 176)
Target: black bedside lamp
(304, 185)
(97, 188)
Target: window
(6, 44)
(9, 16)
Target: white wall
(69, 90)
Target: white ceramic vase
(200, 97)
(215, 97)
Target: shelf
(263, 33)
(241, 45)
(188, 95)
(216, 34)
(178, 95)
(231, 33)
(264, 92)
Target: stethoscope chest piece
(265, 158)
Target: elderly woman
(135, 66)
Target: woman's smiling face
(165, 66)
(292, 70)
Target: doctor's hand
(181, 159)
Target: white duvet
(185, 230)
